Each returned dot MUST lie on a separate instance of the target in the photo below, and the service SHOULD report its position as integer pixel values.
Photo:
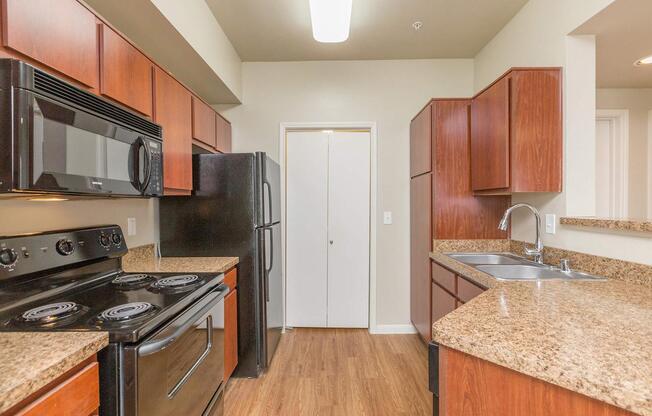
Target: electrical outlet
(551, 222)
(131, 226)
(387, 217)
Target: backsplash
(27, 216)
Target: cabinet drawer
(467, 290)
(231, 278)
(445, 278)
(441, 303)
(78, 395)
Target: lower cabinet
(230, 325)
(442, 302)
(75, 393)
(448, 292)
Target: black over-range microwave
(56, 138)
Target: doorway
(329, 225)
(612, 163)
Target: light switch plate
(131, 226)
(387, 217)
(551, 222)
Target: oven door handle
(162, 340)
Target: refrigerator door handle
(268, 187)
(268, 267)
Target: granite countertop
(591, 337)
(31, 360)
(624, 224)
(143, 259)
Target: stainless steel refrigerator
(235, 210)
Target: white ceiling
(623, 35)
(279, 30)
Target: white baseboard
(393, 329)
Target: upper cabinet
(516, 139)
(203, 123)
(61, 34)
(173, 111)
(420, 143)
(223, 134)
(126, 74)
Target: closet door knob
(331, 242)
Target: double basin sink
(507, 266)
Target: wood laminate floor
(338, 372)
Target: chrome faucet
(537, 251)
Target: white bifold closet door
(327, 239)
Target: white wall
(389, 93)
(638, 102)
(34, 216)
(538, 36)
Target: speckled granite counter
(591, 337)
(31, 360)
(142, 259)
(635, 225)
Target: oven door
(62, 149)
(179, 369)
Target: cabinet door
(420, 247)
(490, 138)
(172, 110)
(223, 134)
(442, 303)
(230, 333)
(61, 34)
(467, 290)
(126, 73)
(420, 143)
(203, 122)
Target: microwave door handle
(148, 164)
(158, 344)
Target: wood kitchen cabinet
(126, 74)
(420, 246)
(223, 134)
(441, 302)
(204, 123)
(516, 139)
(61, 34)
(449, 291)
(230, 325)
(470, 386)
(173, 111)
(442, 203)
(77, 392)
(421, 142)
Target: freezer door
(271, 255)
(270, 190)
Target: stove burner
(129, 280)
(175, 282)
(127, 311)
(50, 313)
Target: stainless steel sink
(507, 266)
(528, 272)
(487, 258)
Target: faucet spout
(537, 251)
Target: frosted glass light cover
(331, 20)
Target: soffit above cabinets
(280, 30)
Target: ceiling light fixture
(48, 199)
(644, 61)
(331, 20)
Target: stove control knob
(105, 241)
(116, 238)
(65, 247)
(8, 257)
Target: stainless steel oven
(179, 370)
(56, 138)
